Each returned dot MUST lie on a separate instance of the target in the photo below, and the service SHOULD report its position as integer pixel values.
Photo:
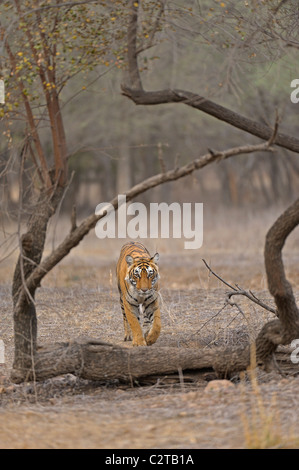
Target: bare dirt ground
(79, 297)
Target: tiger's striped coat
(137, 278)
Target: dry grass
(262, 424)
(79, 297)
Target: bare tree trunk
(286, 328)
(32, 246)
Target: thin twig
(218, 277)
(160, 157)
(238, 291)
(275, 130)
(74, 218)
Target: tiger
(137, 278)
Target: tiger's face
(142, 274)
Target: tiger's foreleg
(128, 334)
(131, 322)
(153, 318)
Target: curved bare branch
(134, 91)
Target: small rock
(284, 381)
(29, 389)
(2, 379)
(219, 385)
(10, 388)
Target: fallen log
(95, 360)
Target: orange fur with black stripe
(137, 278)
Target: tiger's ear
(155, 258)
(129, 260)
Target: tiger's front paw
(152, 336)
(139, 342)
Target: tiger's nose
(144, 289)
